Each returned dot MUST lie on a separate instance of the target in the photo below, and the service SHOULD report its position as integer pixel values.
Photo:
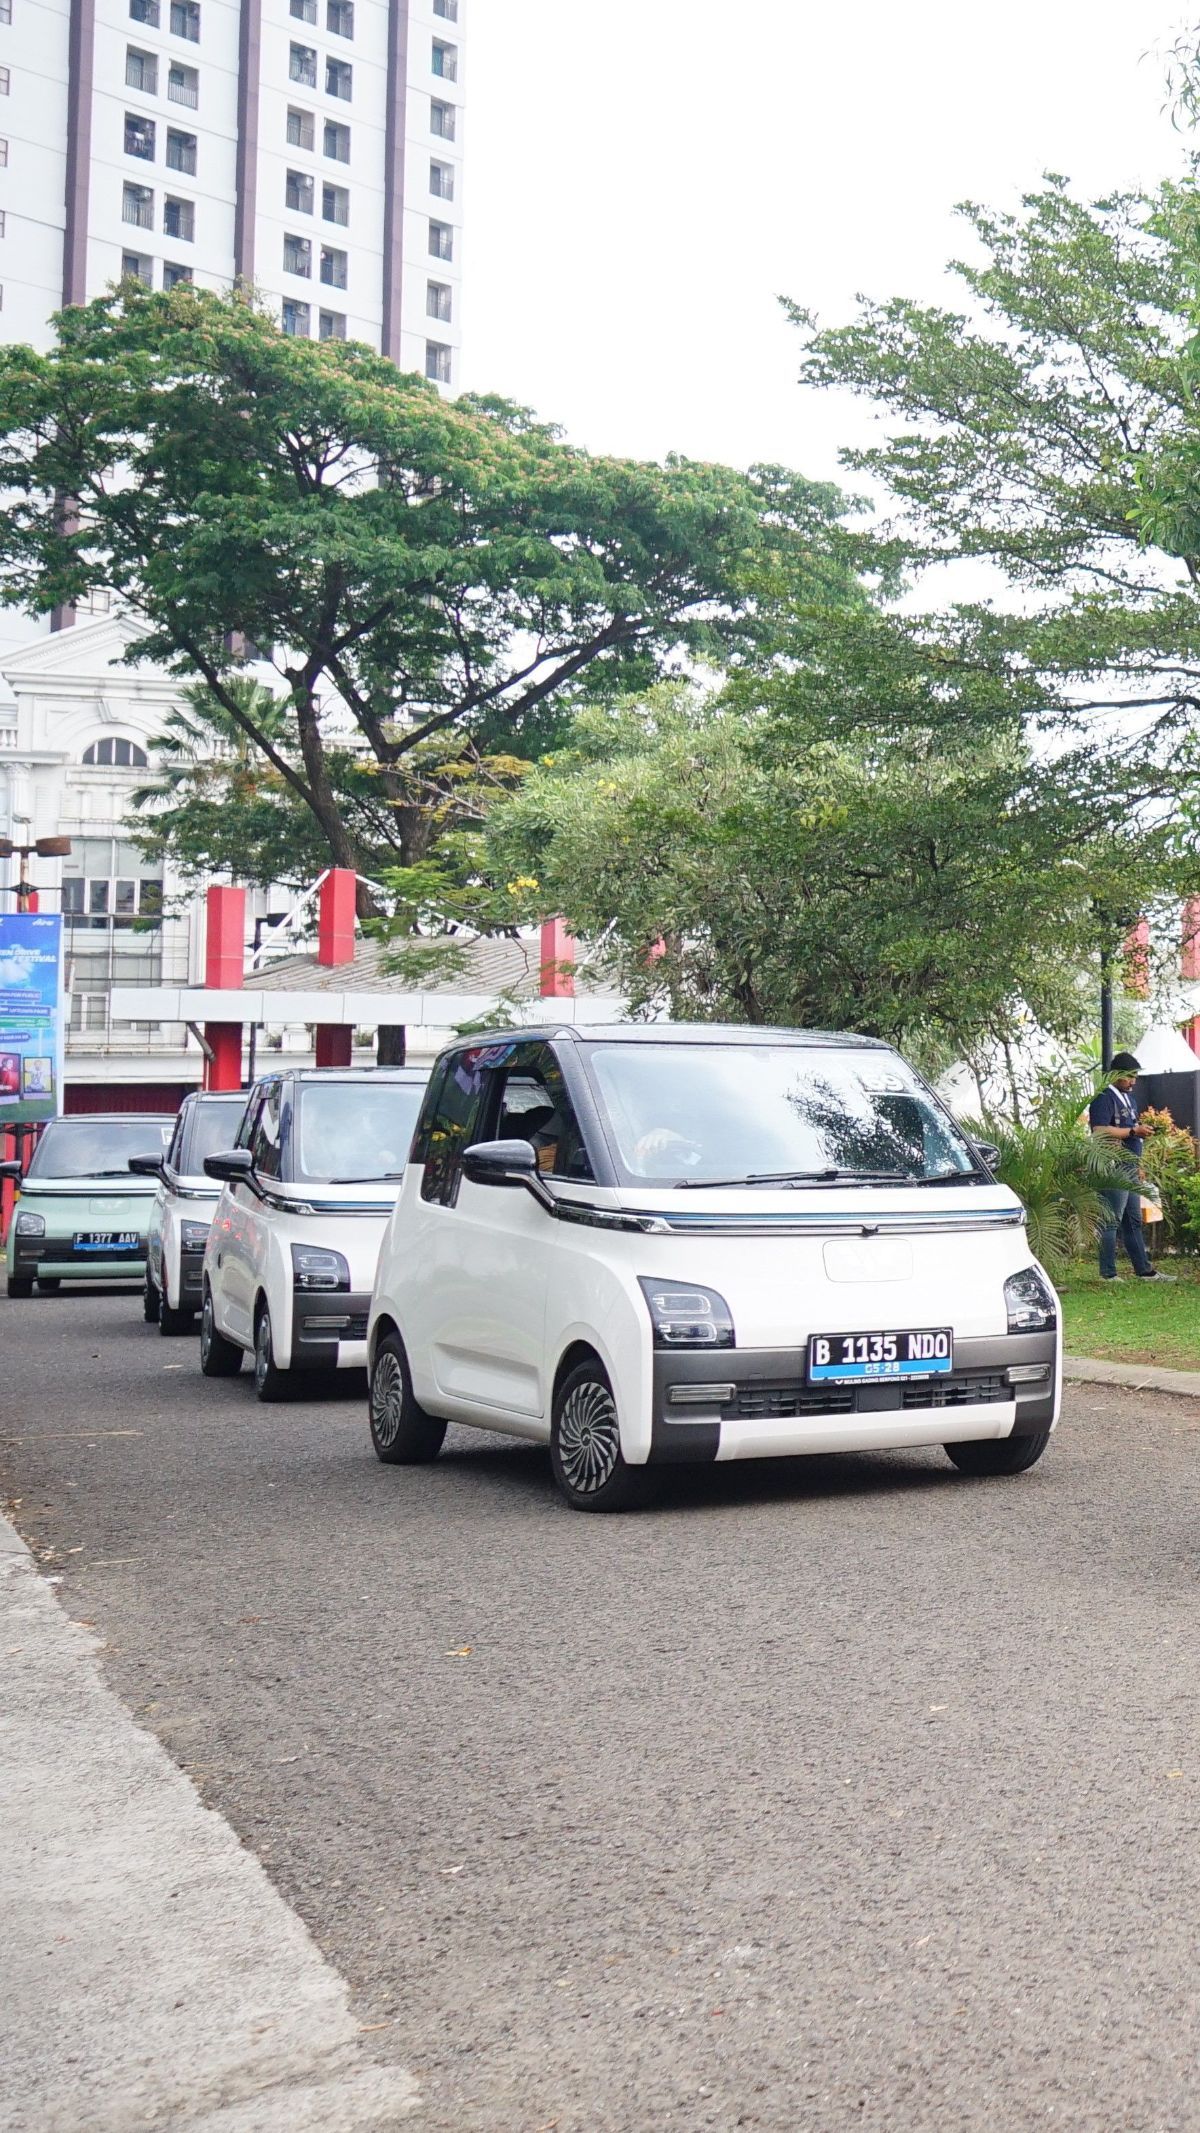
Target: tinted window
(265, 1144)
(452, 1124)
(679, 1112)
(353, 1132)
(535, 1107)
(97, 1147)
(212, 1127)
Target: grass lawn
(1132, 1321)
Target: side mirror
(10, 1167)
(988, 1153)
(230, 1165)
(146, 1166)
(500, 1163)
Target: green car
(80, 1214)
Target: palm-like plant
(1058, 1170)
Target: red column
(1136, 953)
(558, 961)
(336, 901)
(224, 963)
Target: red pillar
(558, 961)
(336, 903)
(1189, 961)
(224, 962)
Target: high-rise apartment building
(310, 148)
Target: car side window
(535, 1107)
(448, 1124)
(173, 1159)
(265, 1141)
(245, 1132)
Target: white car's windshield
(97, 1147)
(349, 1133)
(213, 1128)
(698, 1114)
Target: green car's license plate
(107, 1240)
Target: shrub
(1172, 1162)
(1058, 1172)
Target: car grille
(770, 1399)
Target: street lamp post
(46, 848)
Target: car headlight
(1030, 1302)
(193, 1236)
(685, 1316)
(29, 1225)
(315, 1268)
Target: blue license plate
(849, 1358)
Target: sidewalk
(150, 1975)
(1137, 1377)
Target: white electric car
(666, 1243)
(308, 1186)
(183, 1207)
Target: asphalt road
(847, 1793)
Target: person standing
(1113, 1116)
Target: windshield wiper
(373, 1177)
(954, 1177)
(831, 1176)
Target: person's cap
(1124, 1063)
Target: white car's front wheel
(585, 1444)
(401, 1431)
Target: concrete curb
(150, 1973)
(1136, 1377)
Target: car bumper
(757, 1404)
(329, 1332)
(44, 1260)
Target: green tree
(926, 886)
(1018, 428)
(433, 579)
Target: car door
(490, 1347)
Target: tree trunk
(391, 1045)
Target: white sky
(645, 177)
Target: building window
(96, 602)
(185, 20)
(441, 240)
(144, 11)
(183, 85)
(179, 219)
(339, 17)
(181, 152)
(141, 71)
(173, 274)
(137, 206)
(441, 180)
(5, 10)
(295, 318)
(106, 882)
(3, 223)
(447, 9)
(441, 120)
(337, 141)
(3, 155)
(304, 10)
(334, 266)
(301, 131)
(297, 256)
(121, 755)
(5, 81)
(437, 362)
(331, 326)
(335, 204)
(339, 78)
(299, 192)
(136, 267)
(445, 60)
(139, 137)
(438, 300)
(302, 65)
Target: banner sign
(31, 1016)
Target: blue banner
(31, 1016)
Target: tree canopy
(432, 580)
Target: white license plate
(849, 1358)
(107, 1240)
